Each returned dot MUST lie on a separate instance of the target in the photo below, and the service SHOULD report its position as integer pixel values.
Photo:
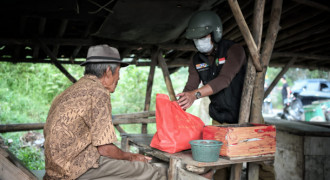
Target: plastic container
(314, 112)
(205, 150)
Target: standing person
(219, 64)
(285, 91)
(79, 133)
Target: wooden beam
(301, 36)
(294, 19)
(298, 29)
(9, 171)
(318, 42)
(300, 55)
(149, 86)
(314, 4)
(90, 42)
(247, 92)
(232, 24)
(246, 33)
(258, 91)
(134, 115)
(38, 60)
(41, 29)
(60, 34)
(278, 77)
(56, 63)
(257, 26)
(85, 35)
(166, 74)
(130, 118)
(37, 126)
(178, 62)
(119, 128)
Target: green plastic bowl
(205, 150)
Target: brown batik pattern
(78, 121)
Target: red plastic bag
(175, 127)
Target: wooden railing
(131, 118)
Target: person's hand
(140, 157)
(186, 99)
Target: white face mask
(204, 45)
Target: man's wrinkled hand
(140, 157)
(186, 99)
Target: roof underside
(138, 27)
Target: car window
(324, 86)
(313, 86)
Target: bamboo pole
(60, 34)
(37, 126)
(131, 118)
(167, 78)
(246, 33)
(257, 26)
(41, 29)
(314, 5)
(56, 63)
(149, 87)
(278, 77)
(258, 91)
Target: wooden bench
(128, 139)
(12, 168)
(181, 164)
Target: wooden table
(182, 162)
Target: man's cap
(103, 54)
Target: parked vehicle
(293, 109)
(309, 90)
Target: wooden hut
(286, 34)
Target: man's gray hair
(99, 69)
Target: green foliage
(27, 91)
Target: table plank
(186, 157)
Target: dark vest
(225, 104)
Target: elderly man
(79, 132)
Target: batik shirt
(78, 121)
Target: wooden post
(163, 65)
(56, 63)
(258, 91)
(246, 33)
(253, 172)
(173, 169)
(149, 87)
(245, 108)
(257, 26)
(278, 77)
(235, 172)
